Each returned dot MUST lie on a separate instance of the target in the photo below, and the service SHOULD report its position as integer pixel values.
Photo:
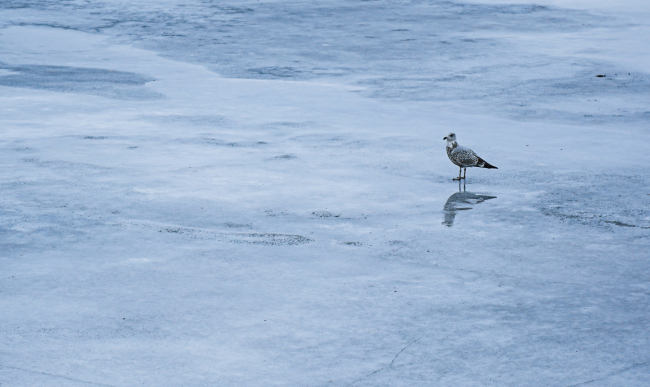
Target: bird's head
(450, 137)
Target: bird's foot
(458, 178)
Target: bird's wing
(464, 156)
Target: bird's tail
(484, 164)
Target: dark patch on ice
(286, 157)
(228, 9)
(274, 214)
(198, 120)
(95, 138)
(601, 76)
(325, 214)
(238, 225)
(396, 243)
(353, 244)
(49, 25)
(294, 124)
(592, 200)
(616, 222)
(175, 230)
(66, 79)
(209, 141)
(268, 239)
(14, 5)
(275, 72)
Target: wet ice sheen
(480, 50)
(102, 82)
(461, 201)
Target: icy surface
(254, 193)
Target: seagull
(464, 157)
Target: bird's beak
(445, 138)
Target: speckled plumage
(464, 157)
(461, 156)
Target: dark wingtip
(486, 164)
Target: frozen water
(461, 201)
(257, 193)
(106, 83)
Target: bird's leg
(464, 172)
(460, 173)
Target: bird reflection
(461, 201)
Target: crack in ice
(389, 366)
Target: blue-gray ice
(257, 193)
